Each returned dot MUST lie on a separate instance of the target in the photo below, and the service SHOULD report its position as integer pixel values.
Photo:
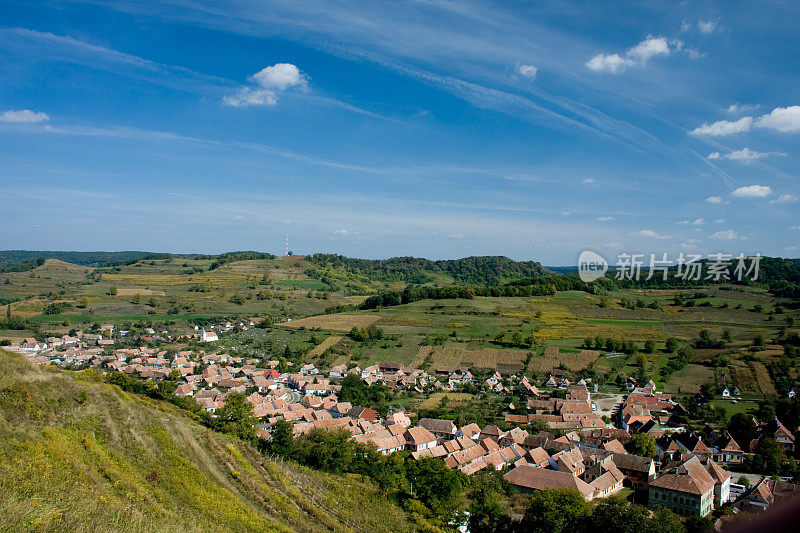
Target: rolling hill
(77, 454)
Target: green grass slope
(77, 454)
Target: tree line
(780, 276)
(232, 257)
(490, 270)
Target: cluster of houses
(397, 377)
(78, 349)
(591, 456)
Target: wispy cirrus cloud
(460, 48)
(46, 45)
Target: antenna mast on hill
(287, 245)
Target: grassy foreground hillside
(77, 454)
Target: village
(582, 440)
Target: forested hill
(23, 260)
(781, 276)
(489, 270)
(19, 260)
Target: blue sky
(377, 129)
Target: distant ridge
(9, 258)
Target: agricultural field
(535, 334)
(334, 322)
(689, 379)
(179, 288)
(554, 357)
(465, 332)
(433, 401)
(320, 349)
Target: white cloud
(455, 236)
(588, 180)
(649, 48)
(280, 77)
(784, 199)
(641, 54)
(270, 82)
(726, 235)
(686, 25)
(650, 233)
(345, 233)
(529, 71)
(694, 53)
(612, 63)
(24, 116)
(683, 222)
(695, 222)
(707, 26)
(247, 96)
(714, 200)
(752, 191)
(795, 227)
(782, 119)
(724, 127)
(745, 155)
(792, 248)
(719, 221)
(613, 244)
(743, 108)
(606, 219)
(566, 213)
